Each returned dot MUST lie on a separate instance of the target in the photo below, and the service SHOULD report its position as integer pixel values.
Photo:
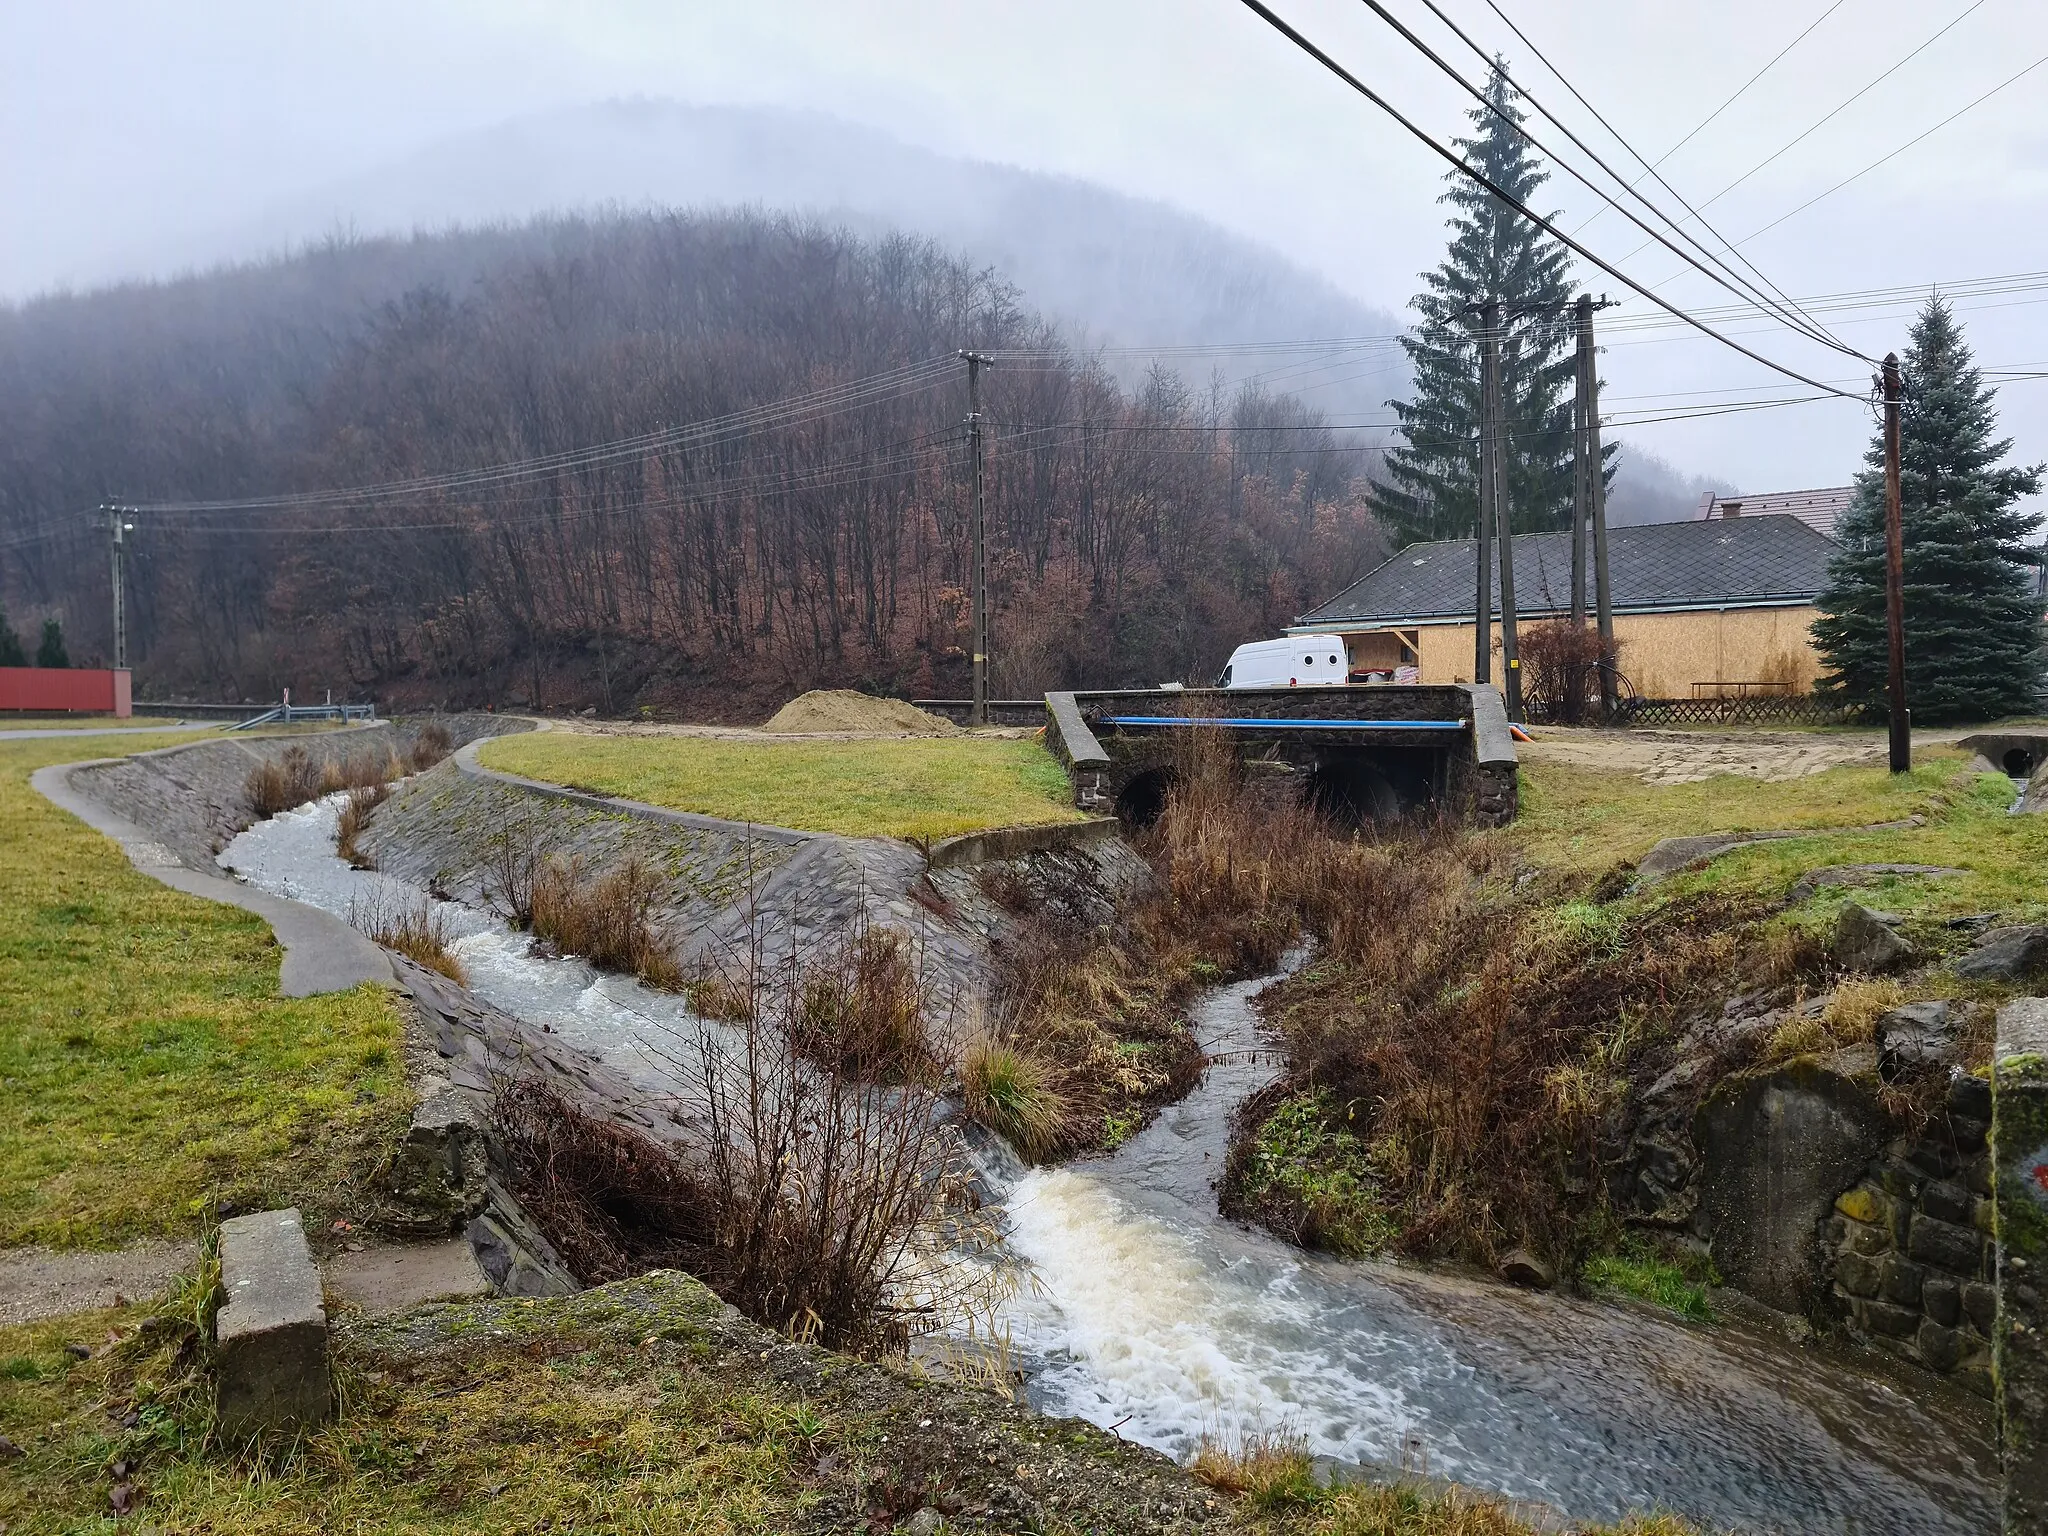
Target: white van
(1307, 661)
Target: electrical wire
(1259, 8)
(1740, 91)
(1810, 326)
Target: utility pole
(1596, 496)
(1895, 573)
(1582, 489)
(1492, 410)
(119, 528)
(1482, 549)
(978, 576)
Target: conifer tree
(51, 652)
(1431, 485)
(1973, 623)
(11, 653)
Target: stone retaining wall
(1910, 1243)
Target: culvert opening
(1358, 788)
(1141, 801)
(2018, 763)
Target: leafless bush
(514, 859)
(1561, 667)
(608, 919)
(809, 1198)
(416, 929)
(430, 744)
(294, 777)
(353, 818)
(863, 1008)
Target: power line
(1800, 138)
(1810, 326)
(1458, 162)
(1831, 191)
(1740, 91)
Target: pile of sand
(841, 709)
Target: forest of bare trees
(669, 460)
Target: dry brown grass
(430, 744)
(863, 1007)
(805, 1198)
(1015, 1092)
(606, 918)
(294, 777)
(353, 818)
(416, 930)
(1271, 1469)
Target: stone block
(1899, 1280)
(1864, 1203)
(1959, 1250)
(1888, 1321)
(2006, 954)
(1856, 1274)
(1946, 1202)
(1935, 1160)
(1942, 1299)
(1866, 1240)
(1916, 1038)
(1865, 942)
(1976, 1176)
(1980, 1305)
(1940, 1348)
(1970, 1096)
(437, 1173)
(271, 1329)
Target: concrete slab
(382, 1280)
(272, 1326)
(36, 1283)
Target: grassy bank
(147, 1061)
(914, 788)
(638, 1406)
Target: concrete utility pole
(1493, 408)
(1582, 486)
(1482, 550)
(1596, 496)
(978, 576)
(1895, 572)
(119, 527)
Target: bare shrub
(514, 859)
(416, 929)
(864, 1008)
(293, 777)
(430, 744)
(353, 818)
(810, 1199)
(607, 919)
(1561, 668)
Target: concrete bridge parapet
(1369, 753)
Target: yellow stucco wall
(1663, 654)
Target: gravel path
(1687, 757)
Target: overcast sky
(130, 127)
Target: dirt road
(1686, 757)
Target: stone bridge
(1364, 753)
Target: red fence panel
(64, 690)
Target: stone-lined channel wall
(734, 886)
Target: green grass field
(919, 787)
(83, 723)
(147, 1062)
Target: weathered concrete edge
(996, 843)
(321, 953)
(465, 760)
(1070, 737)
(1493, 744)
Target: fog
(1156, 174)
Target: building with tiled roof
(1721, 606)
(1820, 510)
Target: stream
(1153, 1315)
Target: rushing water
(1154, 1315)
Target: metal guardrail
(291, 714)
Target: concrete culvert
(2018, 763)
(1141, 801)
(1358, 787)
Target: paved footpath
(102, 730)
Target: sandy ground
(1686, 757)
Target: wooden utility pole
(1582, 489)
(1895, 573)
(978, 575)
(1596, 497)
(1482, 549)
(1493, 408)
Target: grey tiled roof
(1754, 560)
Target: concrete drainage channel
(270, 1325)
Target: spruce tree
(51, 652)
(11, 653)
(1973, 626)
(1431, 486)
